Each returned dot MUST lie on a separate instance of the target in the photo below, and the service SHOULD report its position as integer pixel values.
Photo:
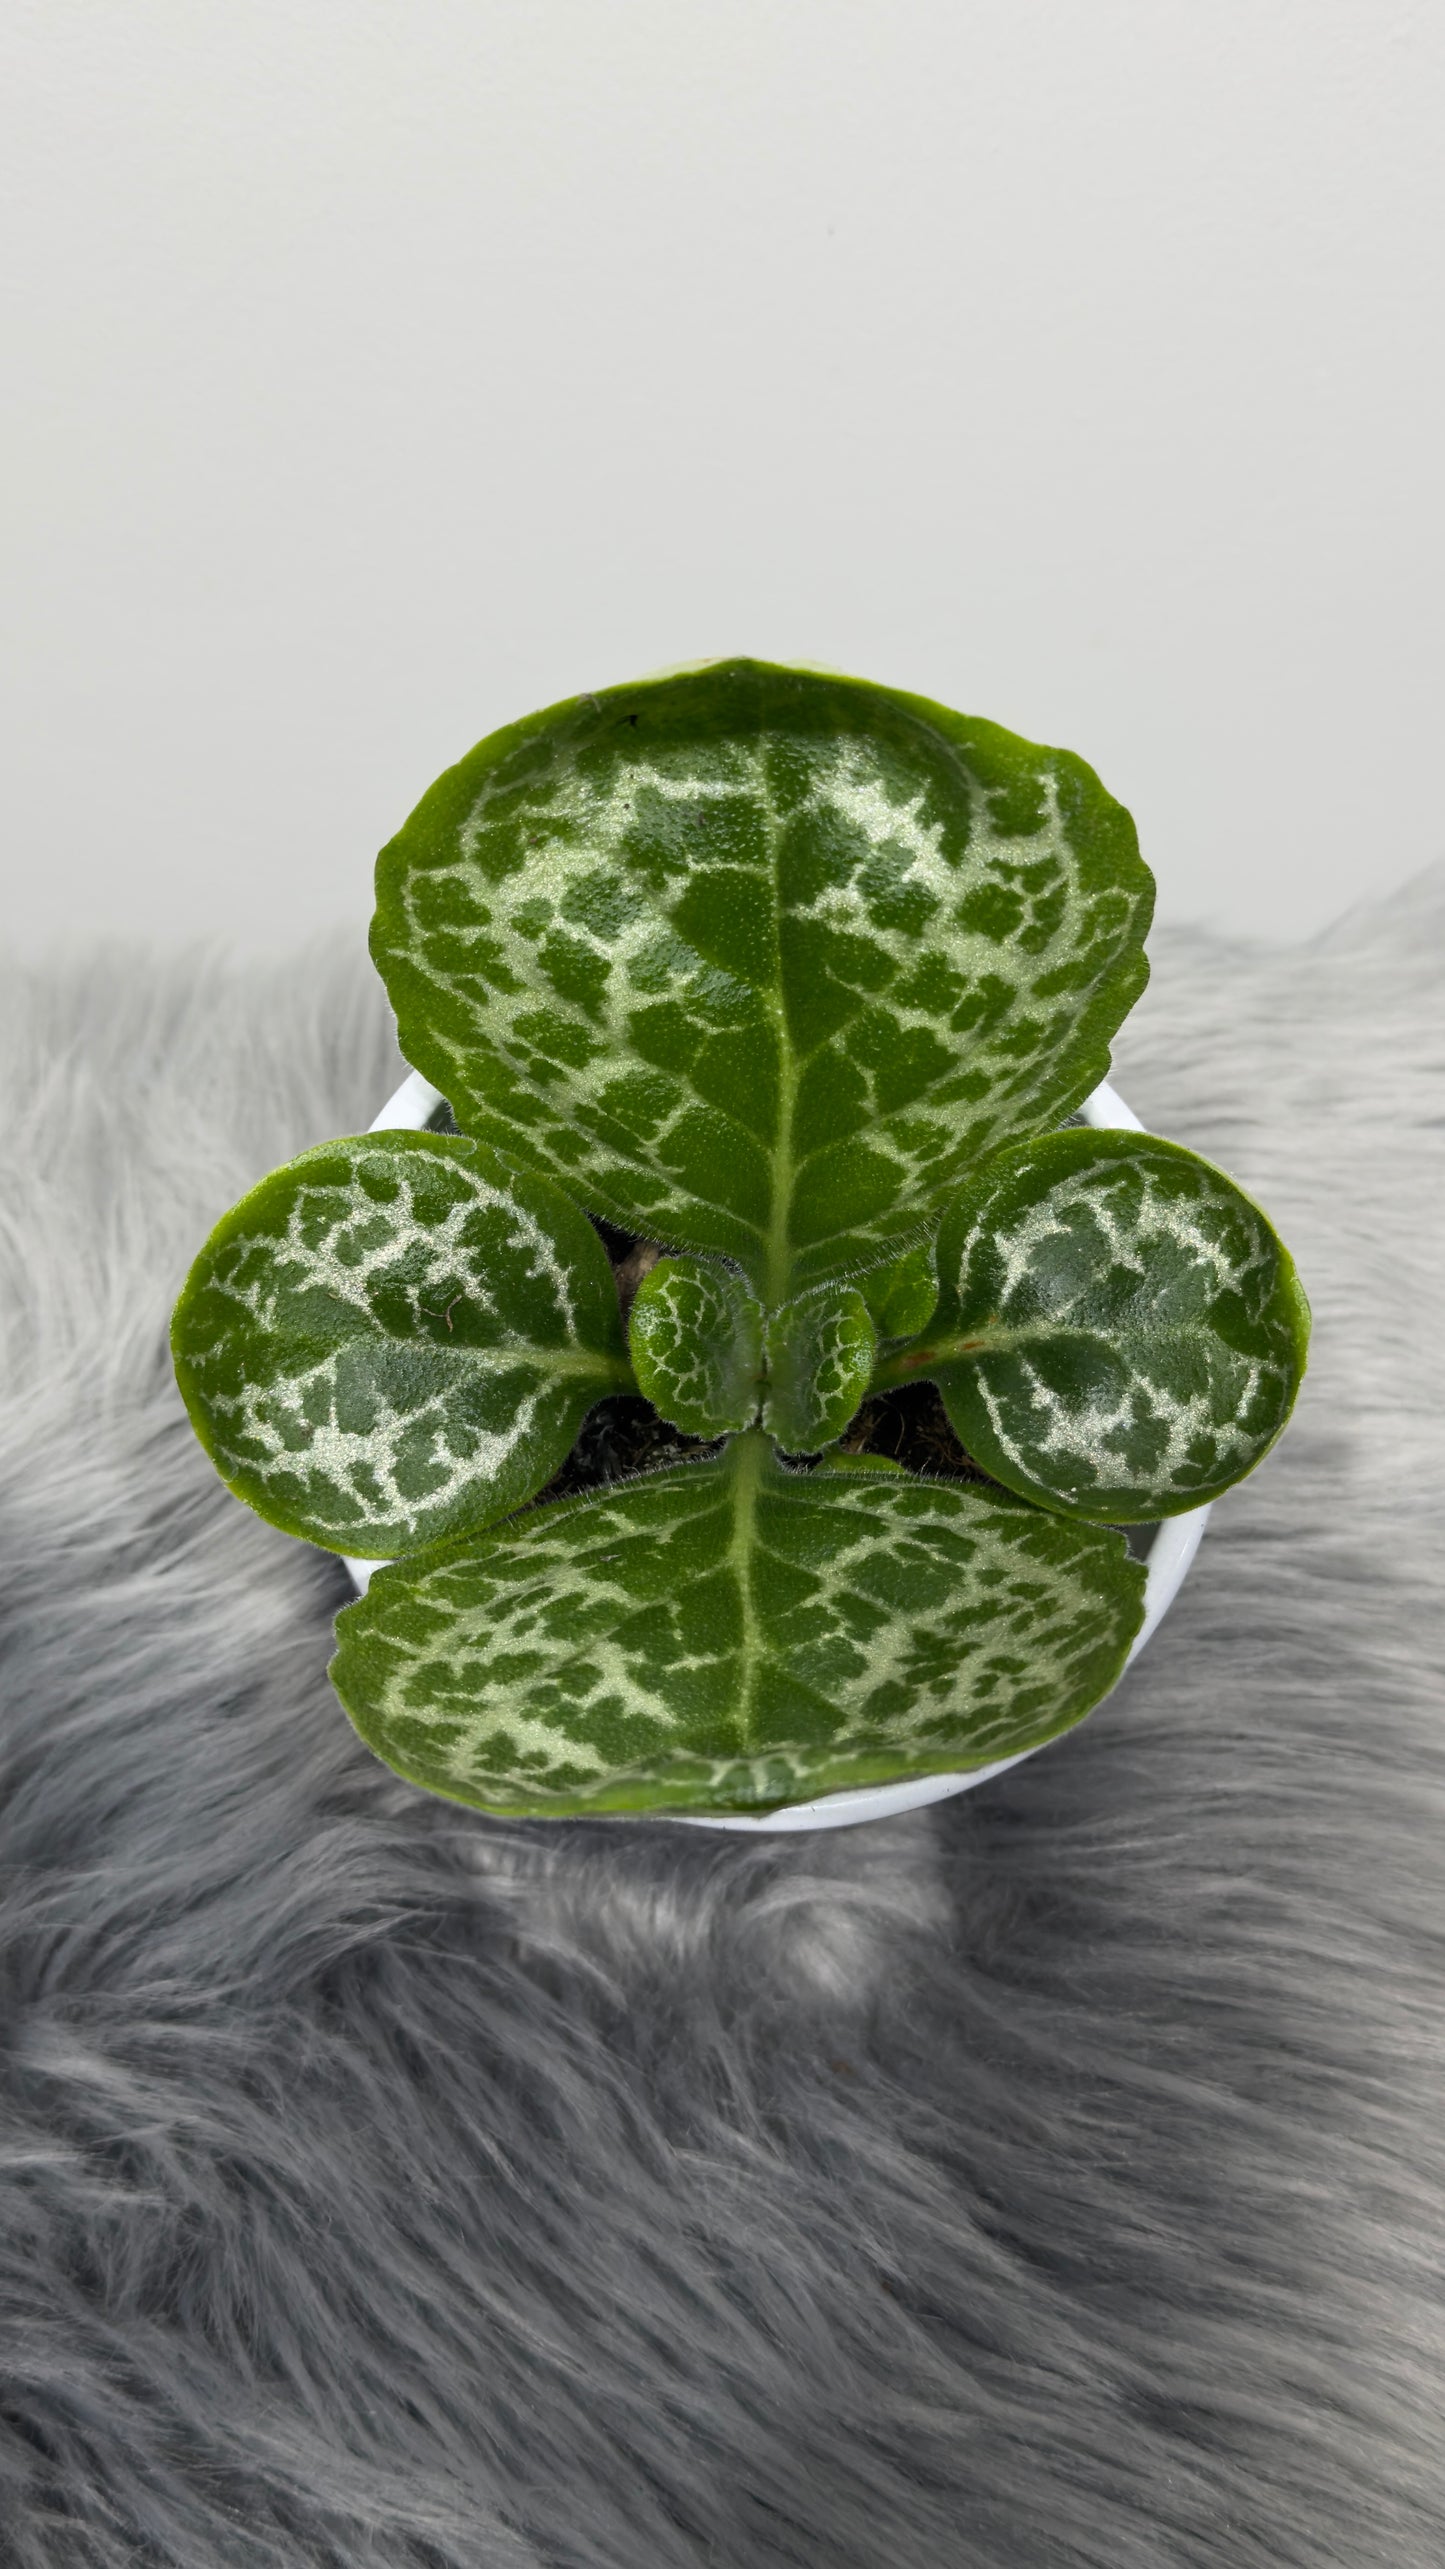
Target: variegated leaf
(820, 1352)
(1120, 1334)
(395, 1337)
(696, 1336)
(731, 1635)
(758, 961)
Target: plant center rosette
(799, 979)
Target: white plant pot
(1174, 1544)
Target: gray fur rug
(1056, 2177)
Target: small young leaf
(696, 1336)
(395, 1337)
(758, 961)
(1120, 1334)
(903, 1296)
(820, 1353)
(730, 1635)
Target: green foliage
(731, 1635)
(760, 962)
(902, 1296)
(395, 1337)
(696, 1336)
(1120, 1334)
(821, 1352)
(796, 978)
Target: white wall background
(386, 368)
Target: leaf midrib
(778, 1252)
(752, 1450)
(575, 1358)
(907, 1365)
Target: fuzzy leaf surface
(395, 1337)
(820, 1353)
(730, 1635)
(757, 961)
(903, 1296)
(696, 1336)
(1120, 1333)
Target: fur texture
(1053, 2178)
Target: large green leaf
(1120, 1335)
(394, 1337)
(758, 961)
(696, 1336)
(820, 1352)
(730, 1635)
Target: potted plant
(761, 1002)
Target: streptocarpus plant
(800, 980)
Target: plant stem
(914, 1364)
